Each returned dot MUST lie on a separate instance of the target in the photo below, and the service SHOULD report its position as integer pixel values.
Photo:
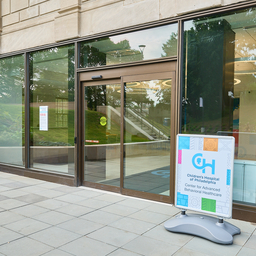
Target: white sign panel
(204, 173)
(43, 118)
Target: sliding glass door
(102, 115)
(129, 129)
(147, 133)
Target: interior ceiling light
(246, 59)
(248, 27)
(113, 86)
(133, 84)
(144, 87)
(236, 81)
(167, 83)
(246, 72)
(136, 91)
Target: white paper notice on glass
(43, 118)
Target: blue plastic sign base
(207, 227)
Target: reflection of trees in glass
(52, 78)
(52, 74)
(100, 102)
(11, 100)
(92, 57)
(103, 51)
(113, 95)
(152, 93)
(170, 47)
(95, 96)
(10, 127)
(161, 111)
(163, 94)
(129, 47)
(210, 47)
(11, 79)
(138, 93)
(246, 21)
(150, 100)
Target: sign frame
(210, 151)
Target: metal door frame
(122, 75)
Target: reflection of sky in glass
(151, 88)
(237, 20)
(153, 38)
(154, 84)
(188, 25)
(152, 96)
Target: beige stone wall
(30, 23)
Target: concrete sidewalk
(43, 218)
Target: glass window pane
(147, 136)
(219, 89)
(52, 109)
(12, 113)
(102, 134)
(134, 46)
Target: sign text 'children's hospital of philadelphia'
(204, 171)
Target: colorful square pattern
(210, 144)
(228, 177)
(179, 156)
(184, 143)
(182, 200)
(208, 205)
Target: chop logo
(200, 163)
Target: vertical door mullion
(176, 109)
(27, 110)
(179, 75)
(82, 132)
(77, 135)
(122, 138)
(173, 127)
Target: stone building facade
(31, 23)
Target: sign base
(213, 229)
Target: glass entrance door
(102, 115)
(129, 130)
(147, 134)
